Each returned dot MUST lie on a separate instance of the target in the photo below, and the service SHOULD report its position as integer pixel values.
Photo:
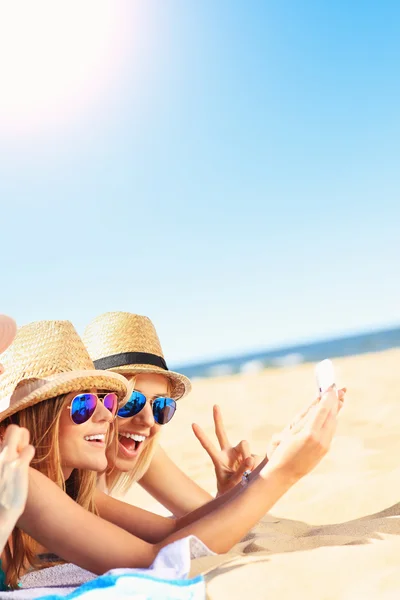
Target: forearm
(76, 535)
(228, 523)
(145, 525)
(168, 484)
(218, 501)
(59, 524)
(193, 496)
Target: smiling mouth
(98, 439)
(130, 443)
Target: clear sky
(228, 168)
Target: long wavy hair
(43, 420)
(118, 481)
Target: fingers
(26, 456)
(243, 450)
(220, 429)
(206, 443)
(326, 407)
(11, 442)
(15, 440)
(341, 396)
(23, 439)
(246, 465)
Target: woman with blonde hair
(34, 393)
(69, 409)
(128, 344)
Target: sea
(375, 341)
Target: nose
(145, 417)
(102, 413)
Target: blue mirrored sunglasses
(163, 408)
(83, 406)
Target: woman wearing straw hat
(52, 387)
(15, 456)
(47, 367)
(128, 343)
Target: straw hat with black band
(128, 344)
(48, 359)
(8, 329)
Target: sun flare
(57, 58)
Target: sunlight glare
(57, 59)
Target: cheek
(154, 430)
(68, 435)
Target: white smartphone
(325, 374)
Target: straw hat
(47, 359)
(8, 329)
(129, 344)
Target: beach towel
(166, 579)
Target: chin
(125, 464)
(99, 466)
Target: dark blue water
(312, 352)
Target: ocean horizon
(362, 343)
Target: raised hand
(278, 437)
(15, 457)
(230, 462)
(307, 441)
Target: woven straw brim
(74, 381)
(180, 384)
(8, 329)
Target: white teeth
(99, 436)
(133, 436)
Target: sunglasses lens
(163, 410)
(111, 402)
(83, 407)
(134, 405)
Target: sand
(335, 534)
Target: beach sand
(335, 534)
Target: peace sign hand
(230, 462)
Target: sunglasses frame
(99, 397)
(151, 404)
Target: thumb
(247, 465)
(25, 457)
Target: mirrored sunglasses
(163, 408)
(83, 406)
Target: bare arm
(180, 494)
(62, 526)
(151, 527)
(123, 514)
(58, 523)
(76, 535)
(172, 487)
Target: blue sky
(234, 176)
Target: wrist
(284, 477)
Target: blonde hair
(42, 420)
(118, 481)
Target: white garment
(165, 579)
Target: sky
(228, 169)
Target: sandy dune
(335, 535)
